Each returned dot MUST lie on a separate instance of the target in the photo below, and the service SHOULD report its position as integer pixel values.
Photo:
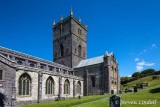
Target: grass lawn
(150, 94)
(67, 102)
(103, 103)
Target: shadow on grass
(156, 90)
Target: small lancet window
(1, 74)
(62, 50)
(79, 50)
(79, 31)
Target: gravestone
(114, 101)
(135, 89)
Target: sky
(129, 28)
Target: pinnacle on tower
(71, 12)
(54, 22)
(79, 19)
(106, 53)
(61, 18)
(86, 25)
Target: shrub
(155, 77)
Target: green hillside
(149, 79)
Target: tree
(148, 71)
(136, 74)
(125, 80)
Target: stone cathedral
(25, 79)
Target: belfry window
(1, 74)
(78, 87)
(66, 87)
(79, 50)
(93, 81)
(24, 84)
(50, 86)
(56, 55)
(79, 31)
(62, 50)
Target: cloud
(140, 65)
(142, 52)
(129, 75)
(154, 46)
(143, 63)
(136, 59)
(138, 68)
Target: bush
(148, 71)
(136, 74)
(155, 77)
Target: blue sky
(129, 28)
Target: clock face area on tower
(69, 42)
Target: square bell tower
(69, 41)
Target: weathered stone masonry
(9, 85)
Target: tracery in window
(66, 87)
(24, 84)
(50, 86)
(78, 91)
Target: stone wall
(21, 99)
(7, 84)
(88, 72)
(38, 74)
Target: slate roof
(91, 61)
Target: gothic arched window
(79, 50)
(24, 84)
(78, 87)
(50, 86)
(66, 87)
(62, 50)
(1, 74)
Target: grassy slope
(67, 102)
(140, 80)
(143, 95)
